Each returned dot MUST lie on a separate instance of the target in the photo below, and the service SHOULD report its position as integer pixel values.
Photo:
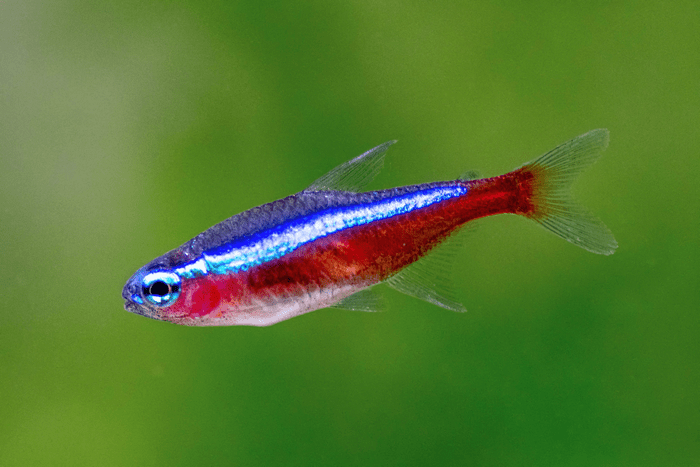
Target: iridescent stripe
(275, 243)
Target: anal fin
(430, 278)
(364, 300)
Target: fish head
(153, 290)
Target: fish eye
(161, 288)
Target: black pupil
(159, 288)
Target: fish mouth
(129, 291)
(132, 307)
(141, 310)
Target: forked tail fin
(552, 206)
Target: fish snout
(132, 297)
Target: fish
(331, 244)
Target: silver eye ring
(161, 288)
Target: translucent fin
(554, 209)
(364, 300)
(354, 174)
(429, 278)
(470, 175)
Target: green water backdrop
(128, 127)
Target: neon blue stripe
(275, 243)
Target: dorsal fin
(470, 175)
(429, 278)
(354, 174)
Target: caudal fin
(552, 206)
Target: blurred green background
(129, 127)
